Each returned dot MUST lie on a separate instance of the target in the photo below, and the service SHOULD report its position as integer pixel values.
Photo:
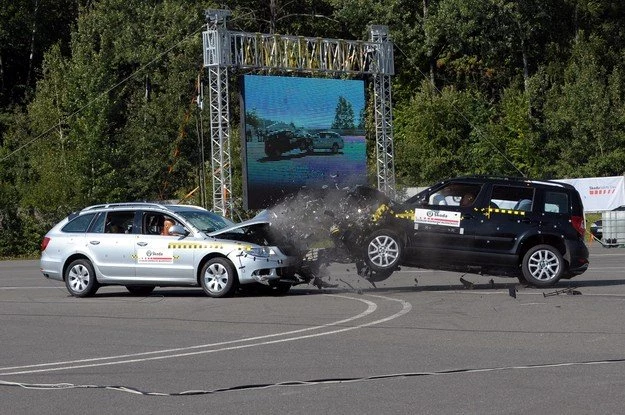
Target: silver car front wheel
(218, 278)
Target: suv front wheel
(543, 265)
(384, 250)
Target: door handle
(142, 243)
(94, 242)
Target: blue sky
(306, 102)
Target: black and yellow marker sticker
(205, 245)
(487, 211)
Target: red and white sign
(600, 193)
(437, 217)
(151, 256)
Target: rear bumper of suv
(577, 257)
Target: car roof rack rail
(125, 204)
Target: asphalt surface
(420, 342)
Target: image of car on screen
(146, 245)
(328, 140)
(282, 141)
(531, 230)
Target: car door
(510, 214)
(444, 225)
(161, 257)
(110, 242)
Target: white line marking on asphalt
(172, 353)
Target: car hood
(236, 228)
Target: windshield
(205, 221)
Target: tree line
(97, 97)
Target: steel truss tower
(225, 49)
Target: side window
(119, 222)
(455, 194)
(514, 198)
(556, 202)
(98, 224)
(157, 224)
(79, 224)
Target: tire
(543, 265)
(281, 289)
(272, 152)
(218, 278)
(383, 252)
(140, 289)
(306, 146)
(379, 276)
(80, 278)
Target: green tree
(344, 115)
(115, 118)
(439, 132)
(584, 116)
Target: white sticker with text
(153, 256)
(437, 217)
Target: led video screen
(301, 133)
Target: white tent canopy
(600, 193)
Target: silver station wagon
(145, 245)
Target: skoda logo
(430, 213)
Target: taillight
(44, 243)
(579, 224)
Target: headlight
(261, 251)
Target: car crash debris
(467, 284)
(567, 291)
(329, 225)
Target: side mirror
(177, 230)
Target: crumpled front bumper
(251, 268)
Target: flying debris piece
(467, 284)
(512, 292)
(567, 291)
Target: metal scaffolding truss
(385, 153)
(225, 49)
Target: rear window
(556, 202)
(79, 224)
(455, 194)
(514, 198)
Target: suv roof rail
(125, 204)
(516, 179)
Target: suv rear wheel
(384, 249)
(543, 265)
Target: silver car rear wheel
(218, 278)
(80, 278)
